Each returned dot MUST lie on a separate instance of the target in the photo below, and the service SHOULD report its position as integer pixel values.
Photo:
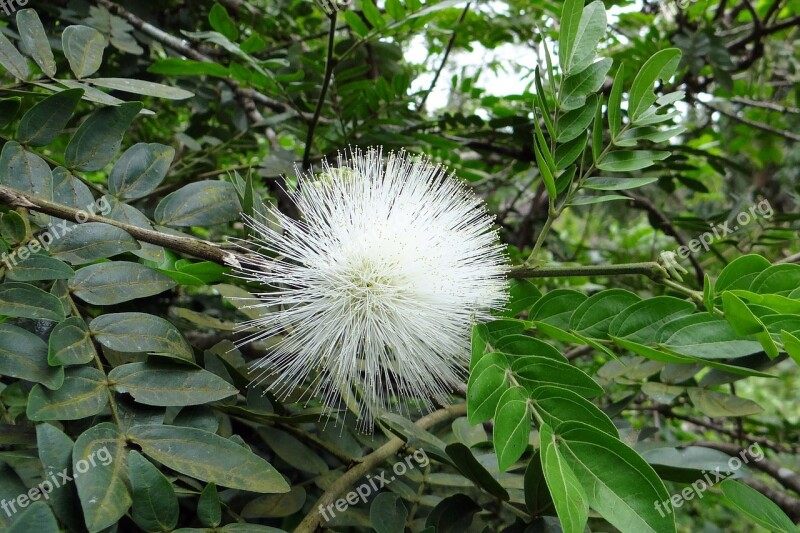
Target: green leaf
(207, 457)
(615, 103)
(202, 203)
(792, 345)
(705, 336)
(97, 140)
(12, 60)
(118, 281)
(567, 493)
(597, 131)
(628, 160)
(472, 469)
(618, 483)
(594, 316)
(8, 110)
(641, 321)
(140, 332)
(84, 394)
(566, 154)
(83, 47)
(141, 87)
(558, 404)
(484, 392)
(716, 404)
(40, 267)
(782, 280)
(388, 514)
(616, 184)
(544, 170)
(23, 355)
(395, 9)
(526, 345)
(99, 465)
(757, 507)
(25, 171)
(173, 66)
(537, 495)
(661, 65)
(512, 427)
(55, 452)
(139, 170)
(571, 15)
(588, 200)
(355, 23)
(12, 230)
(745, 323)
(222, 22)
(23, 300)
(70, 343)
(740, 272)
(534, 372)
(34, 41)
(575, 88)
(209, 510)
(169, 385)
(591, 29)
(293, 451)
(155, 506)
(91, 241)
(38, 517)
(372, 14)
(556, 307)
(521, 295)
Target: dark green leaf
(139, 170)
(70, 343)
(34, 40)
(169, 385)
(388, 514)
(155, 506)
(84, 394)
(97, 140)
(118, 281)
(140, 332)
(83, 47)
(12, 60)
(201, 203)
(27, 301)
(88, 242)
(24, 355)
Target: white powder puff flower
(374, 291)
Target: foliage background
(248, 89)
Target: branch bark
(370, 462)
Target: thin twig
(447, 50)
(752, 123)
(330, 62)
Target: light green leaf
(705, 336)
(628, 160)
(740, 272)
(618, 483)
(222, 22)
(591, 29)
(535, 371)
(34, 40)
(512, 426)
(568, 495)
(12, 60)
(559, 404)
(83, 47)
(169, 385)
(715, 404)
(757, 507)
(141, 87)
(571, 14)
(589, 80)
(661, 65)
(616, 184)
(207, 457)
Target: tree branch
(782, 475)
(752, 123)
(368, 463)
(650, 269)
(447, 51)
(188, 245)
